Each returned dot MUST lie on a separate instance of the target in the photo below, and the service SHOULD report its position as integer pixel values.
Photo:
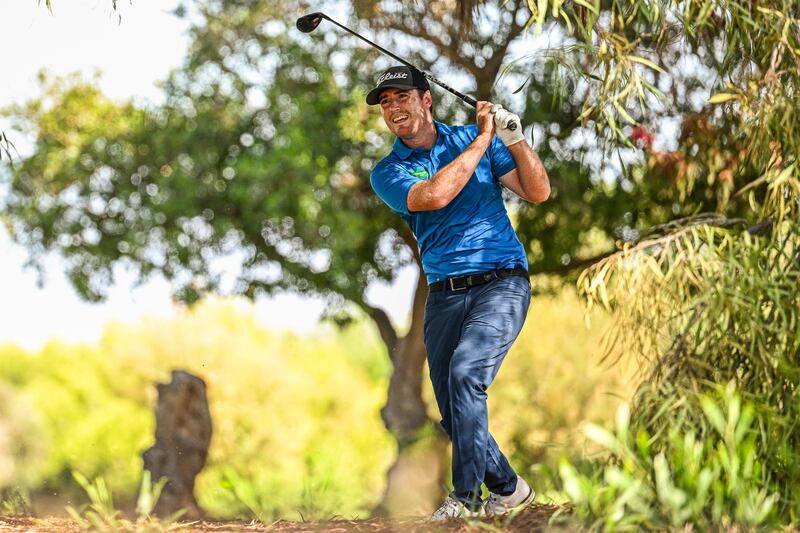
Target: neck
(424, 138)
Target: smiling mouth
(399, 119)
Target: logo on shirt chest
(420, 173)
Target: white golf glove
(502, 119)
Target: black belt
(461, 283)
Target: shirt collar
(404, 151)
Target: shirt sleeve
(391, 182)
(501, 158)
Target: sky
(131, 55)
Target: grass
(101, 515)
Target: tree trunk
(414, 482)
(404, 413)
(183, 434)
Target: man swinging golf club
(445, 181)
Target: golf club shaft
(468, 99)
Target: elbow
(439, 202)
(540, 195)
(543, 195)
(433, 204)
(428, 203)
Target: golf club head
(309, 23)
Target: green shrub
(701, 305)
(684, 477)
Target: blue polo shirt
(471, 234)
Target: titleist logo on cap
(392, 76)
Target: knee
(464, 378)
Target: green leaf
(647, 63)
(784, 176)
(601, 436)
(587, 5)
(713, 414)
(623, 113)
(521, 86)
(744, 423)
(721, 97)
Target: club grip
(471, 101)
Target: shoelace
(448, 505)
(450, 508)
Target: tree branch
(712, 219)
(385, 327)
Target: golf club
(309, 23)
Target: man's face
(404, 111)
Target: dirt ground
(532, 519)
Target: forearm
(532, 176)
(438, 191)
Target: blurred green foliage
(296, 419)
(709, 479)
(702, 306)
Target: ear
(427, 100)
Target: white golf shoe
(452, 508)
(498, 505)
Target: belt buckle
(453, 288)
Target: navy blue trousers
(467, 335)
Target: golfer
(445, 181)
